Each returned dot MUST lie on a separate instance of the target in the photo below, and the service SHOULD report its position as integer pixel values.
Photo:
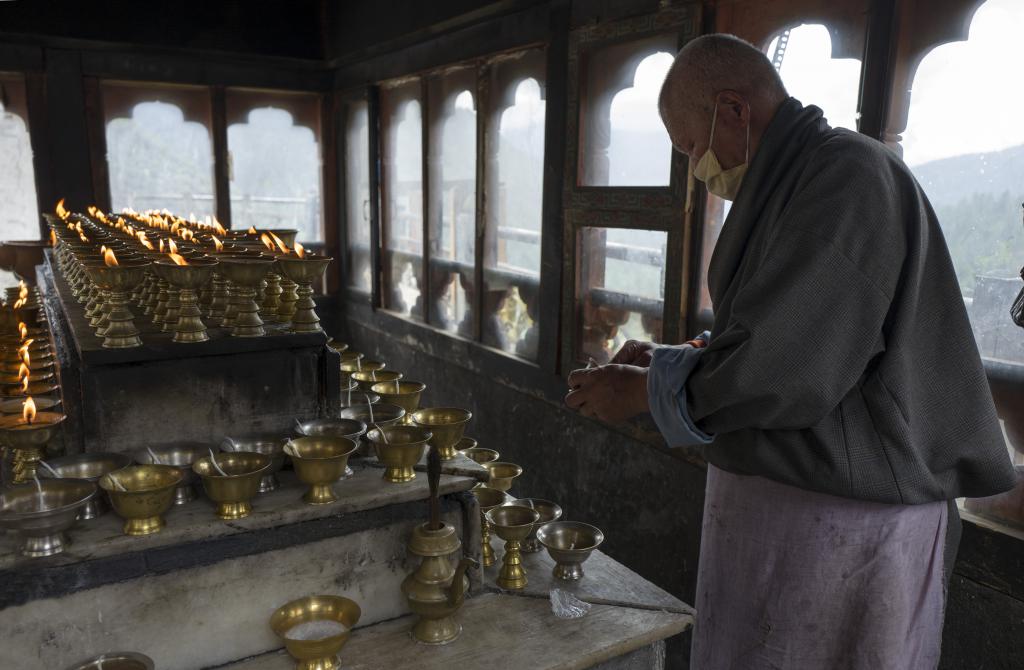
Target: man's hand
(610, 393)
(635, 352)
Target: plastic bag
(567, 606)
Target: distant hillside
(950, 180)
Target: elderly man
(839, 398)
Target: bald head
(713, 63)
(725, 78)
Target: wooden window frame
(661, 208)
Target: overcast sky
(967, 97)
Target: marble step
(513, 632)
(201, 591)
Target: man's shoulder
(857, 148)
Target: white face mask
(723, 183)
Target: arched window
(967, 151)
(402, 156)
(159, 151)
(452, 209)
(19, 216)
(623, 141)
(274, 159)
(515, 175)
(357, 195)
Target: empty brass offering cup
(350, 428)
(320, 461)
(405, 394)
(549, 512)
(513, 523)
(314, 629)
(488, 499)
(234, 490)
(348, 366)
(569, 543)
(340, 347)
(91, 467)
(271, 444)
(502, 474)
(118, 660)
(481, 455)
(465, 443)
(41, 515)
(179, 455)
(447, 424)
(141, 494)
(399, 449)
(365, 379)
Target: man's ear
(733, 108)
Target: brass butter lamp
(314, 629)
(512, 523)
(319, 462)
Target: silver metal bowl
(91, 467)
(269, 444)
(180, 455)
(41, 515)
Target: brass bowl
(488, 499)
(358, 398)
(320, 461)
(465, 443)
(350, 428)
(33, 378)
(549, 512)
(13, 367)
(340, 347)
(119, 660)
(141, 494)
(233, 491)
(512, 522)
(347, 356)
(481, 455)
(91, 467)
(315, 654)
(17, 405)
(447, 424)
(180, 455)
(42, 523)
(270, 444)
(399, 449)
(33, 390)
(502, 474)
(569, 543)
(366, 379)
(405, 394)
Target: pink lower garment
(790, 578)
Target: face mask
(723, 183)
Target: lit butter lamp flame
(23, 371)
(161, 246)
(28, 410)
(19, 303)
(268, 243)
(218, 245)
(280, 244)
(53, 239)
(61, 212)
(252, 230)
(171, 246)
(109, 259)
(23, 288)
(23, 349)
(221, 230)
(24, 387)
(22, 328)
(300, 251)
(25, 358)
(178, 259)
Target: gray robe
(841, 359)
